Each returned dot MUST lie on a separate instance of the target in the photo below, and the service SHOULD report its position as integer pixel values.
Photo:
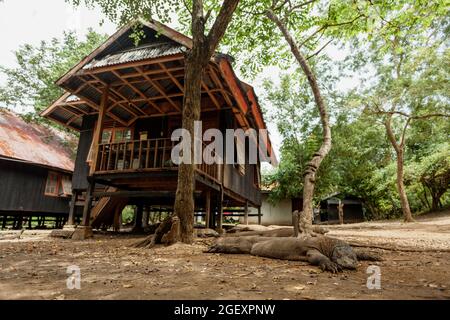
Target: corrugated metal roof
(151, 51)
(31, 142)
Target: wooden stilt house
(126, 101)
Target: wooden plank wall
(22, 188)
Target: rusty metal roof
(32, 143)
(155, 50)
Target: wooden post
(30, 220)
(117, 219)
(87, 205)
(99, 129)
(341, 212)
(208, 209)
(138, 218)
(71, 221)
(259, 215)
(5, 219)
(145, 216)
(220, 211)
(246, 213)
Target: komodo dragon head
(344, 256)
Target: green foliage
(32, 82)
(128, 214)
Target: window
(66, 184)
(121, 134)
(58, 185)
(116, 135)
(106, 136)
(51, 188)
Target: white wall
(278, 214)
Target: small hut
(351, 206)
(35, 174)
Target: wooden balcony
(145, 155)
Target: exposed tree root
(167, 233)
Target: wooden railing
(212, 171)
(134, 155)
(140, 155)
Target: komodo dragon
(328, 253)
(279, 232)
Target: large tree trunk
(203, 47)
(306, 216)
(399, 150)
(184, 203)
(401, 189)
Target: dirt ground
(35, 267)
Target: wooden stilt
(259, 215)
(87, 206)
(145, 217)
(30, 221)
(208, 209)
(138, 218)
(220, 212)
(71, 221)
(117, 219)
(246, 213)
(5, 219)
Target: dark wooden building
(35, 173)
(352, 207)
(126, 101)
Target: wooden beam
(95, 107)
(174, 79)
(119, 95)
(213, 98)
(132, 88)
(172, 95)
(208, 209)
(153, 72)
(75, 106)
(158, 87)
(217, 82)
(99, 129)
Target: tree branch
(220, 25)
(326, 26)
(317, 52)
(390, 133)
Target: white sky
(30, 21)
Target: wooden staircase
(102, 214)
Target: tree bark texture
(203, 47)
(306, 216)
(399, 150)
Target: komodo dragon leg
(316, 258)
(363, 255)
